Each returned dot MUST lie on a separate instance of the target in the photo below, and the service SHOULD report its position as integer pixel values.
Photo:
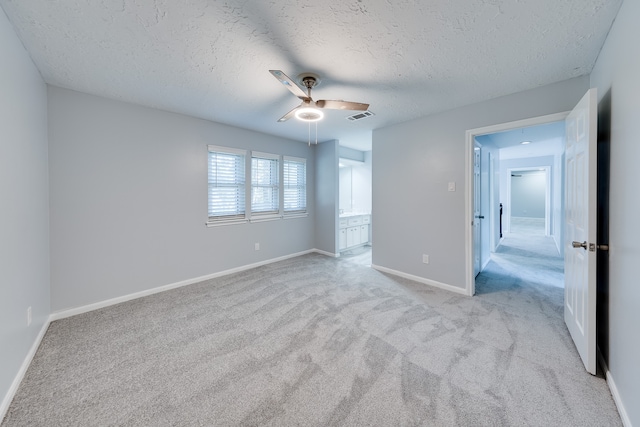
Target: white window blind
(295, 185)
(265, 187)
(226, 184)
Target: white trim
(294, 159)
(533, 121)
(419, 279)
(470, 284)
(614, 390)
(226, 150)
(555, 241)
(506, 207)
(266, 156)
(8, 398)
(62, 314)
(477, 246)
(470, 135)
(257, 217)
(329, 254)
(294, 215)
(216, 223)
(492, 208)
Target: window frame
(294, 213)
(248, 214)
(241, 183)
(271, 214)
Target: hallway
(524, 264)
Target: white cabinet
(353, 231)
(342, 238)
(364, 234)
(356, 220)
(353, 236)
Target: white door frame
(547, 197)
(470, 288)
(492, 200)
(477, 210)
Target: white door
(580, 228)
(476, 209)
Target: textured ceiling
(407, 58)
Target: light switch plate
(452, 186)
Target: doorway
(528, 203)
(552, 169)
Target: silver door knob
(582, 245)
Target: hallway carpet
(317, 341)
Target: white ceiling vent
(360, 115)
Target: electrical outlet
(425, 259)
(257, 246)
(29, 316)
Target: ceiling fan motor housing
(309, 80)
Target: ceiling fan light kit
(310, 110)
(309, 114)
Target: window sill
(226, 222)
(295, 215)
(263, 218)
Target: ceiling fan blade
(288, 115)
(289, 84)
(341, 105)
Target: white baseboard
(419, 279)
(62, 314)
(332, 255)
(4, 407)
(556, 243)
(614, 391)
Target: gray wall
(345, 178)
(129, 200)
(616, 76)
(413, 162)
(528, 194)
(24, 217)
(361, 176)
(327, 184)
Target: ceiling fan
(310, 110)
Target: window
(226, 185)
(275, 191)
(295, 186)
(265, 185)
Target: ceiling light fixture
(309, 114)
